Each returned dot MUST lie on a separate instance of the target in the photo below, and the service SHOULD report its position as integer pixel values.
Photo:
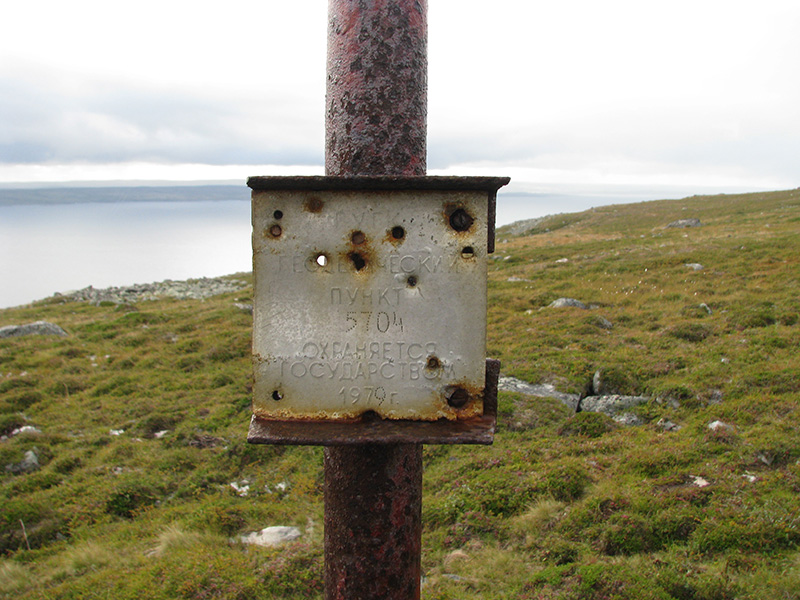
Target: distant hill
(161, 193)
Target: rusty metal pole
(376, 108)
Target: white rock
(717, 425)
(116, 431)
(667, 425)
(25, 429)
(241, 487)
(271, 536)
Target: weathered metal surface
(477, 430)
(389, 182)
(356, 294)
(373, 521)
(376, 88)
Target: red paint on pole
(376, 109)
(376, 102)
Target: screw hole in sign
(321, 260)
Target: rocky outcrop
(681, 223)
(542, 390)
(191, 289)
(36, 328)
(615, 406)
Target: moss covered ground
(141, 414)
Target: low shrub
(588, 424)
(129, 500)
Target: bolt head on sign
(369, 300)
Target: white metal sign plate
(369, 301)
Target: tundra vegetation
(123, 438)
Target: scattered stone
(515, 279)
(604, 323)
(192, 289)
(160, 434)
(682, 223)
(667, 425)
(750, 477)
(719, 426)
(765, 458)
(247, 308)
(706, 308)
(715, 397)
(699, 482)
(205, 441)
(668, 400)
(542, 390)
(281, 488)
(695, 267)
(36, 328)
(612, 405)
(628, 419)
(28, 464)
(242, 488)
(564, 302)
(271, 536)
(562, 260)
(25, 429)
(116, 432)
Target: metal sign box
(370, 297)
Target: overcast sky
(576, 95)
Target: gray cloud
(47, 120)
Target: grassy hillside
(140, 416)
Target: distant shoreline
(139, 193)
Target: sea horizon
(59, 239)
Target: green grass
(561, 506)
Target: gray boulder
(564, 302)
(680, 223)
(29, 463)
(36, 328)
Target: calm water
(61, 247)
(57, 248)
